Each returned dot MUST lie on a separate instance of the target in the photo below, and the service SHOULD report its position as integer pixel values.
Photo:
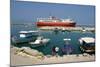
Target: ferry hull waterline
(41, 24)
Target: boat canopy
(87, 40)
(67, 39)
(26, 32)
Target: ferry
(55, 22)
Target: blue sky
(29, 11)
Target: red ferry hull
(61, 24)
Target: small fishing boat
(39, 41)
(24, 37)
(63, 30)
(87, 44)
(56, 30)
(83, 29)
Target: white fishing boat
(87, 44)
(24, 36)
(40, 41)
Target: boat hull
(61, 24)
(90, 50)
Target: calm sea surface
(55, 38)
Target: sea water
(56, 39)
